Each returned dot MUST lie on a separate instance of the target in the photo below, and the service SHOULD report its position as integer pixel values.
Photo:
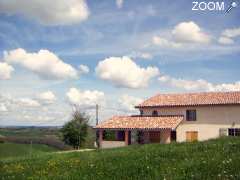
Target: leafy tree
(75, 131)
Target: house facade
(176, 117)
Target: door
(191, 136)
(154, 137)
(173, 136)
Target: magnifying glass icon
(233, 5)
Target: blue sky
(128, 51)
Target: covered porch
(121, 131)
(120, 138)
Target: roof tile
(141, 122)
(192, 99)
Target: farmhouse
(176, 117)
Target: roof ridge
(201, 92)
(192, 99)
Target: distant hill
(214, 159)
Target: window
(141, 112)
(234, 131)
(154, 113)
(191, 115)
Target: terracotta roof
(192, 99)
(141, 122)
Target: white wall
(112, 144)
(209, 119)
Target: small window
(234, 131)
(191, 115)
(141, 112)
(154, 113)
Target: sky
(56, 55)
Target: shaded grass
(214, 159)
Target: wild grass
(12, 150)
(214, 159)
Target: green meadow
(12, 150)
(213, 159)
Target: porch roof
(141, 122)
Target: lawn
(214, 159)
(12, 150)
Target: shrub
(75, 131)
(1, 140)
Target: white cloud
(119, 3)
(198, 84)
(54, 12)
(225, 40)
(47, 96)
(146, 56)
(83, 69)
(3, 108)
(124, 72)
(190, 32)
(85, 98)
(231, 33)
(29, 111)
(228, 35)
(128, 103)
(45, 63)
(27, 102)
(142, 55)
(5, 71)
(159, 41)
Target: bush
(75, 131)
(1, 140)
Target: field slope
(12, 150)
(215, 159)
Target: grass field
(34, 132)
(215, 159)
(11, 150)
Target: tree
(75, 131)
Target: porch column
(126, 137)
(165, 136)
(100, 137)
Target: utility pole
(97, 143)
(96, 114)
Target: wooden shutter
(191, 136)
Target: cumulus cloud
(198, 84)
(225, 40)
(47, 96)
(83, 69)
(124, 72)
(85, 98)
(3, 108)
(190, 32)
(228, 35)
(28, 102)
(231, 33)
(45, 63)
(54, 12)
(5, 71)
(128, 103)
(159, 41)
(119, 3)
